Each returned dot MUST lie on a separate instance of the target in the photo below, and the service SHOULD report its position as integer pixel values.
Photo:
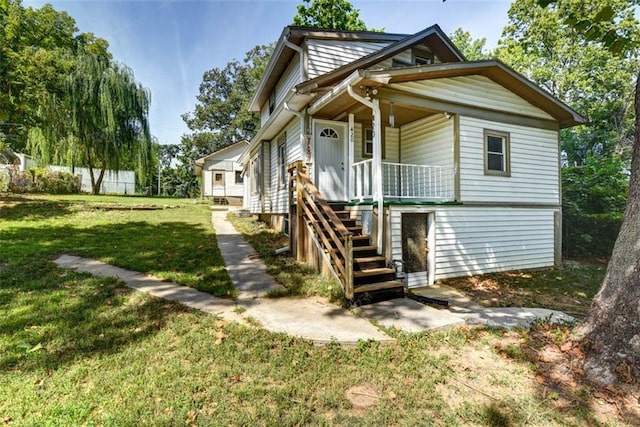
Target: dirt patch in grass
(569, 289)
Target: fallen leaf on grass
(220, 336)
(191, 417)
(7, 420)
(566, 346)
(540, 379)
(39, 382)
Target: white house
(442, 167)
(222, 177)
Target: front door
(331, 157)
(415, 248)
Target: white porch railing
(405, 181)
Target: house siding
(479, 240)
(327, 55)
(289, 79)
(428, 141)
(533, 162)
(476, 91)
(279, 196)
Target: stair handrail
(314, 203)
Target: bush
(43, 181)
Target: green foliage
(223, 100)
(329, 14)
(472, 49)
(594, 198)
(37, 51)
(101, 120)
(582, 71)
(41, 181)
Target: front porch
(403, 182)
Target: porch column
(378, 196)
(350, 157)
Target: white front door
(331, 159)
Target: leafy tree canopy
(38, 48)
(472, 49)
(330, 14)
(544, 45)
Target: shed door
(330, 160)
(416, 248)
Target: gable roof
(293, 35)
(494, 70)
(199, 163)
(437, 39)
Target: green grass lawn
(79, 350)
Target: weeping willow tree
(100, 121)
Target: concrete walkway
(312, 317)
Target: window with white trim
(239, 178)
(282, 161)
(496, 153)
(272, 101)
(256, 174)
(367, 142)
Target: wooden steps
(372, 277)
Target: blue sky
(170, 44)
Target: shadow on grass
(26, 209)
(185, 253)
(53, 317)
(557, 362)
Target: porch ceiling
(343, 105)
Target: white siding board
(324, 56)
(477, 91)
(279, 195)
(289, 79)
(428, 141)
(534, 165)
(479, 240)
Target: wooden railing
(313, 209)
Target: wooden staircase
(363, 273)
(373, 280)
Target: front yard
(78, 350)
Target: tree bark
(611, 331)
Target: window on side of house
(496, 153)
(239, 179)
(218, 178)
(282, 161)
(367, 142)
(256, 174)
(272, 101)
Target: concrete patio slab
(410, 316)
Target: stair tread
(390, 284)
(373, 272)
(370, 258)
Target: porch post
(378, 196)
(350, 157)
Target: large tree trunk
(612, 328)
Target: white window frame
(256, 174)
(504, 154)
(282, 161)
(365, 140)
